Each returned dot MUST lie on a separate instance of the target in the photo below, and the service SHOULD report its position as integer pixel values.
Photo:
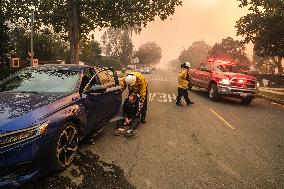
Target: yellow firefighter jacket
(182, 79)
(140, 86)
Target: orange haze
(209, 20)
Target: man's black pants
(133, 125)
(183, 93)
(144, 108)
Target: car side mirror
(96, 89)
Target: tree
(106, 61)
(149, 53)
(263, 64)
(77, 18)
(91, 52)
(196, 53)
(47, 45)
(264, 28)
(4, 39)
(233, 50)
(117, 43)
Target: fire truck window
(201, 66)
(209, 66)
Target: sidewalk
(272, 94)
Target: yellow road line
(222, 119)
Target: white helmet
(187, 64)
(130, 79)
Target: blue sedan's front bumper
(22, 163)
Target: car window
(201, 66)
(42, 81)
(86, 79)
(225, 68)
(110, 76)
(209, 66)
(106, 79)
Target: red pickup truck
(219, 78)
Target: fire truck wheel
(213, 92)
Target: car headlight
(257, 84)
(225, 82)
(19, 136)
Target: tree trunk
(74, 30)
(278, 63)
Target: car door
(198, 75)
(108, 79)
(114, 90)
(206, 75)
(94, 102)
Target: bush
(5, 72)
(275, 81)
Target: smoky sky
(209, 20)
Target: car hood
(14, 106)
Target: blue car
(45, 111)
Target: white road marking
(151, 96)
(172, 97)
(162, 97)
(158, 79)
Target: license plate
(243, 94)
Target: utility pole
(32, 35)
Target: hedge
(5, 72)
(275, 80)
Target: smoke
(209, 20)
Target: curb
(276, 100)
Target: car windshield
(225, 68)
(41, 81)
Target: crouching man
(131, 114)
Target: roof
(74, 67)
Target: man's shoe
(190, 103)
(119, 132)
(130, 132)
(178, 104)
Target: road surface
(206, 145)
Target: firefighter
(137, 84)
(183, 81)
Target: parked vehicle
(146, 70)
(220, 78)
(45, 111)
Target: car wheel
(246, 101)
(213, 92)
(65, 146)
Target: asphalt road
(206, 145)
